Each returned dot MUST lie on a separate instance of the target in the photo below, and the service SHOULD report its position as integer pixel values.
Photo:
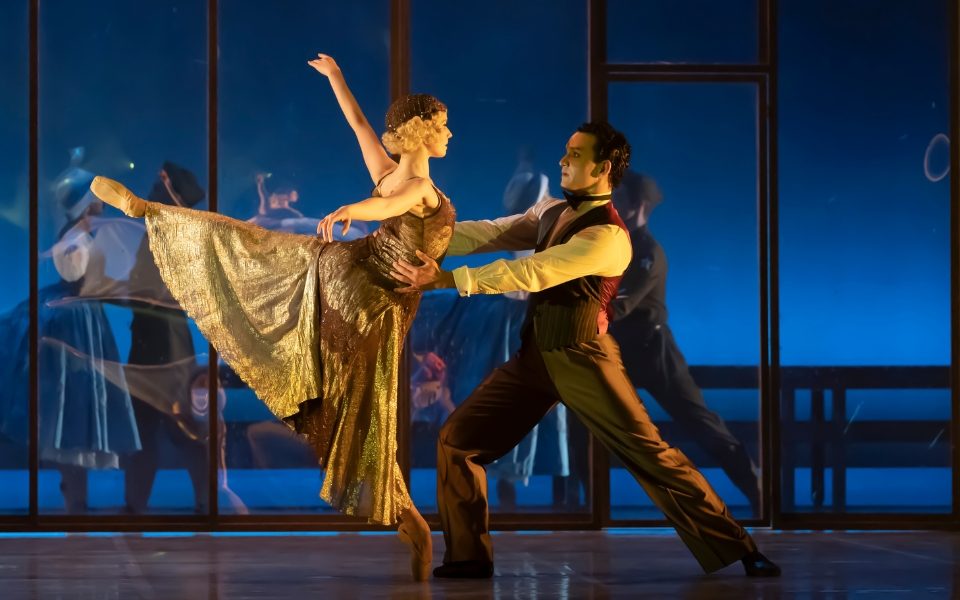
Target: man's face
(578, 171)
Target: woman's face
(436, 145)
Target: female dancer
(314, 326)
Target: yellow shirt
(603, 250)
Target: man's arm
(516, 232)
(599, 250)
(262, 193)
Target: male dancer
(582, 249)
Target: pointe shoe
(417, 535)
(117, 195)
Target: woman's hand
(325, 227)
(325, 64)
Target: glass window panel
(511, 114)
(696, 143)
(123, 92)
(15, 248)
(865, 253)
(682, 31)
(279, 119)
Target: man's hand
(168, 183)
(427, 276)
(325, 227)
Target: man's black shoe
(758, 565)
(465, 569)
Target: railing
(829, 433)
(824, 442)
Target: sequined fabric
(314, 328)
(413, 105)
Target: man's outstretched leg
(592, 382)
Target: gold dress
(314, 328)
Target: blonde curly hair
(414, 132)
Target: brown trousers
(590, 380)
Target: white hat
(71, 254)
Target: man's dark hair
(611, 145)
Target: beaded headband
(413, 105)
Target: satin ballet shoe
(417, 536)
(117, 195)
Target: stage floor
(609, 564)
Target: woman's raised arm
(375, 157)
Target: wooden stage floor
(608, 564)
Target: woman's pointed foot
(415, 532)
(117, 195)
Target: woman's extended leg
(117, 195)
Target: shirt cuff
(464, 281)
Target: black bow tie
(574, 199)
